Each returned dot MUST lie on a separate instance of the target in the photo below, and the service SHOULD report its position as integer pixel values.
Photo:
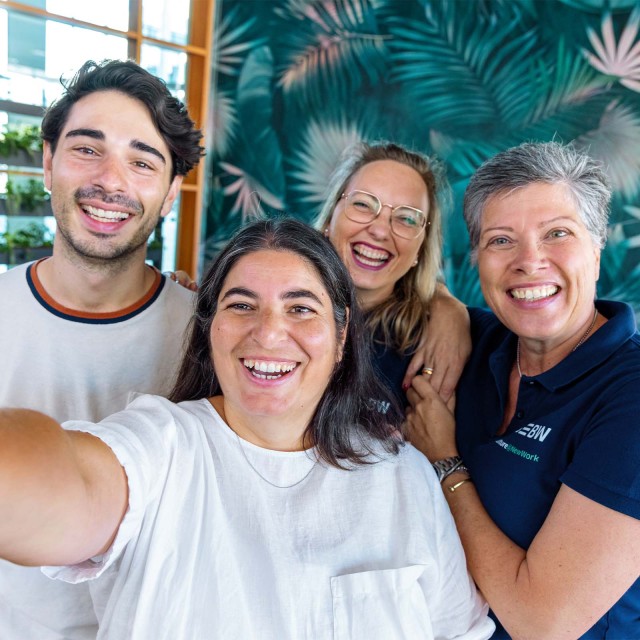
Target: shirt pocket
(380, 605)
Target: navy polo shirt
(577, 424)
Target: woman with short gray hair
(547, 501)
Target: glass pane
(169, 236)
(87, 45)
(167, 64)
(114, 14)
(166, 20)
(33, 77)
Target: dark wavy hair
(169, 115)
(347, 420)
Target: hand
(445, 347)
(430, 424)
(183, 279)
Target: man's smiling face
(110, 178)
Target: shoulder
(177, 293)
(487, 332)
(17, 276)
(408, 465)
(179, 300)
(148, 419)
(482, 318)
(614, 349)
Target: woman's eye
(501, 241)
(301, 309)
(407, 220)
(559, 233)
(240, 306)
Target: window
(170, 38)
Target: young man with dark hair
(83, 329)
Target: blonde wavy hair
(400, 319)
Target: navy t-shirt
(391, 366)
(577, 424)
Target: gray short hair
(548, 162)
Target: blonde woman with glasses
(383, 216)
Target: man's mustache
(91, 193)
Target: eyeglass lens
(363, 207)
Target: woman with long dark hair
(271, 500)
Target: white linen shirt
(210, 549)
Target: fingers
(183, 279)
(412, 370)
(420, 389)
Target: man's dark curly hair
(169, 115)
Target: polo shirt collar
(619, 328)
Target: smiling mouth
(370, 257)
(103, 215)
(269, 370)
(534, 293)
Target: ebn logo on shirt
(535, 431)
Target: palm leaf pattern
(616, 142)
(622, 58)
(320, 148)
(295, 81)
(330, 46)
(452, 66)
(228, 47)
(224, 123)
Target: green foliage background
(295, 81)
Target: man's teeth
(103, 214)
(258, 367)
(370, 257)
(534, 294)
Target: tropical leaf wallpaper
(295, 81)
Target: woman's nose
(269, 328)
(380, 226)
(529, 256)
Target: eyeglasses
(363, 207)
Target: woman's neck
(263, 431)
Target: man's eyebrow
(96, 134)
(143, 146)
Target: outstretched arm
(62, 493)
(582, 560)
(446, 344)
